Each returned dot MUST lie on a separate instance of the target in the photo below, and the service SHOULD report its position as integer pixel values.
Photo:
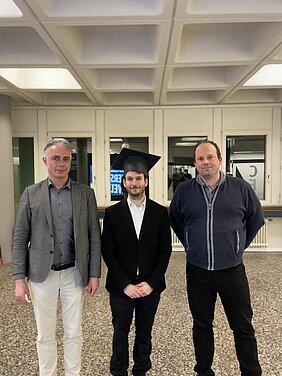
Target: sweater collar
(221, 179)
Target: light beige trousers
(64, 286)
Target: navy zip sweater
(215, 234)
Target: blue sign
(116, 182)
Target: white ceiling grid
(143, 52)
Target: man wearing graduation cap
(136, 247)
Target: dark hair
(218, 153)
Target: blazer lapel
(127, 217)
(148, 215)
(46, 202)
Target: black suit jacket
(123, 252)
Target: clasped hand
(138, 291)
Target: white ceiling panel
(139, 52)
(111, 44)
(95, 9)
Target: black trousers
(233, 288)
(123, 308)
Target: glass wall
(116, 144)
(81, 163)
(245, 158)
(23, 166)
(180, 160)
(23, 163)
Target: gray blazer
(33, 244)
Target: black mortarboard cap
(133, 160)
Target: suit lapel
(127, 217)
(46, 202)
(146, 219)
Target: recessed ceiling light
(9, 9)
(184, 143)
(116, 140)
(268, 75)
(40, 78)
(193, 139)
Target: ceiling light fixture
(268, 75)
(116, 140)
(185, 143)
(40, 78)
(9, 9)
(193, 139)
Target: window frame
(166, 152)
(121, 134)
(92, 136)
(267, 166)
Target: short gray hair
(58, 141)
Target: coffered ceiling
(140, 52)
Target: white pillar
(6, 179)
(159, 178)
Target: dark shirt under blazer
(62, 219)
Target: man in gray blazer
(57, 256)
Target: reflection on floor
(172, 346)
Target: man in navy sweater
(216, 217)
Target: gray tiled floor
(172, 351)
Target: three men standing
(57, 247)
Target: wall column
(6, 177)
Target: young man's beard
(134, 194)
